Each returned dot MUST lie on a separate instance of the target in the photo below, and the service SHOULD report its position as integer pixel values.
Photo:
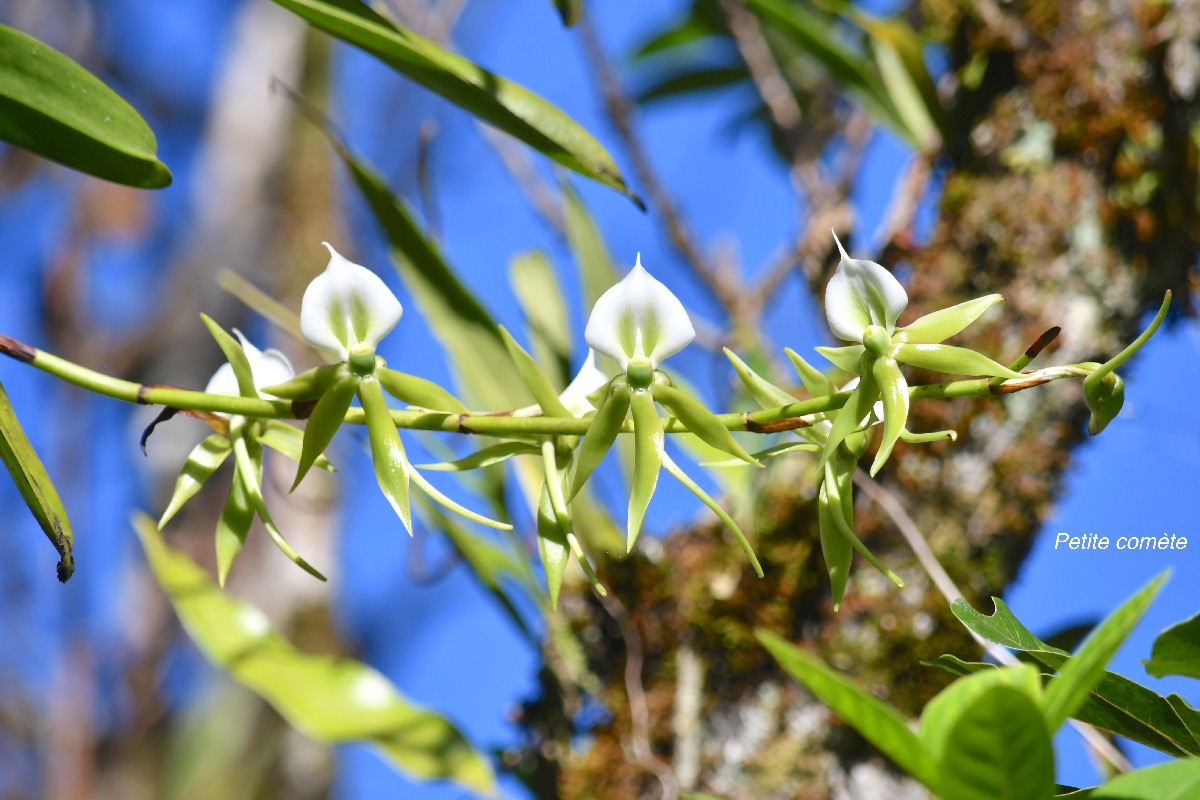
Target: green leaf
(328, 699)
(537, 287)
(284, 438)
(552, 544)
(999, 749)
(1177, 780)
(310, 384)
(35, 486)
(418, 391)
(324, 422)
(875, 720)
(647, 458)
(690, 81)
(387, 451)
(201, 463)
(894, 391)
(57, 109)
(535, 380)
(601, 433)
(596, 273)
(700, 421)
(940, 325)
(693, 487)
(235, 355)
(233, 525)
(765, 393)
(1080, 675)
(1177, 651)
(493, 99)
(569, 10)
(495, 454)
(950, 359)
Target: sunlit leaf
(1177, 651)
(328, 699)
(540, 294)
(54, 107)
(596, 272)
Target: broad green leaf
(937, 326)
(541, 297)
(54, 107)
(815, 381)
(392, 471)
(418, 391)
(999, 749)
(700, 421)
(693, 487)
(1177, 651)
(310, 384)
(950, 359)
(647, 458)
(894, 391)
(765, 393)
(283, 438)
(596, 272)
(235, 355)
(535, 380)
(329, 699)
(37, 490)
(324, 422)
(234, 524)
(1176, 780)
(552, 544)
(1080, 675)
(835, 547)
(569, 10)
(493, 99)
(201, 463)
(942, 714)
(248, 457)
(875, 720)
(495, 454)
(601, 434)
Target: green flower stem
(772, 420)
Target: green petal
(815, 381)
(419, 391)
(844, 358)
(700, 421)
(647, 457)
(940, 325)
(284, 438)
(681, 476)
(835, 547)
(496, 454)
(235, 355)
(534, 379)
(952, 360)
(387, 451)
(552, 544)
(201, 463)
(232, 527)
(554, 485)
(894, 390)
(601, 434)
(765, 393)
(310, 384)
(324, 422)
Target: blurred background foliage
(1046, 151)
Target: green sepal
(310, 384)
(419, 391)
(835, 547)
(562, 513)
(601, 434)
(552, 544)
(815, 381)
(647, 458)
(235, 355)
(201, 463)
(851, 416)
(324, 422)
(894, 390)
(940, 325)
(486, 457)
(1104, 399)
(693, 487)
(392, 470)
(844, 358)
(765, 393)
(288, 440)
(534, 379)
(232, 527)
(700, 421)
(839, 486)
(951, 360)
(249, 472)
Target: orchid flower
(347, 309)
(862, 303)
(268, 367)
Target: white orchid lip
(862, 294)
(587, 380)
(347, 309)
(267, 367)
(639, 318)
